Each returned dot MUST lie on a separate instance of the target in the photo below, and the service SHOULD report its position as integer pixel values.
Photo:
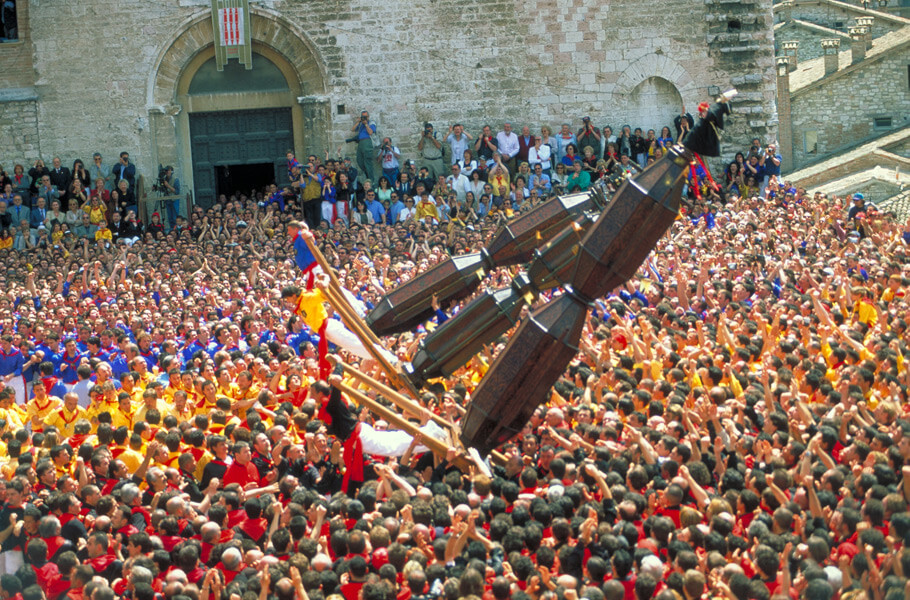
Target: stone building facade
(139, 76)
(846, 77)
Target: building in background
(143, 76)
(843, 73)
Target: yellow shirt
(122, 419)
(96, 408)
(311, 307)
(185, 415)
(15, 417)
(42, 411)
(65, 420)
(131, 459)
(426, 209)
(95, 215)
(140, 413)
(500, 184)
(231, 391)
(103, 234)
(865, 313)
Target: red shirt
(242, 474)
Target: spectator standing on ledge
(171, 187)
(124, 170)
(100, 170)
(770, 161)
(589, 135)
(508, 147)
(388, 158)
(458, 140)
(364, 131)
(431, 152)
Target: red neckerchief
(62, 414)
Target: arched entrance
(653, 104)
(241, 127)
(652, 91)
(203, 120)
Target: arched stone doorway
(186, 94)
(653, 104)
(652, 91)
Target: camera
(586, 119)
(158, 186)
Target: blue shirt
(12, 363)
(72, 363)
(395, 209)
(770, 167)
(376, 209)
(363, 134)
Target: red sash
(353, 458)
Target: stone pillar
(785, 124)
(791, 49)
(830, 49)
(866, 22)
(857, 44)
(316, 123)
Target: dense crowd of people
(734, 425)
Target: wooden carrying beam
(336, 284)
(348, 315)
(396, 398)
(437, 447)
(405, 403)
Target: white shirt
(396, 442)
(458, 146)
(541, 156)
(508, 143)
(81, 389)
(460, 185)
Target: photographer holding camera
(431, 151)
(589, 135)
(388, 158)
(124, 169)
(364, 130)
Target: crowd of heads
(734, 425)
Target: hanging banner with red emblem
(231, 24)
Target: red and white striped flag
(231, 22)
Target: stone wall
(474, 61)
(19, 132)
(849, 119)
